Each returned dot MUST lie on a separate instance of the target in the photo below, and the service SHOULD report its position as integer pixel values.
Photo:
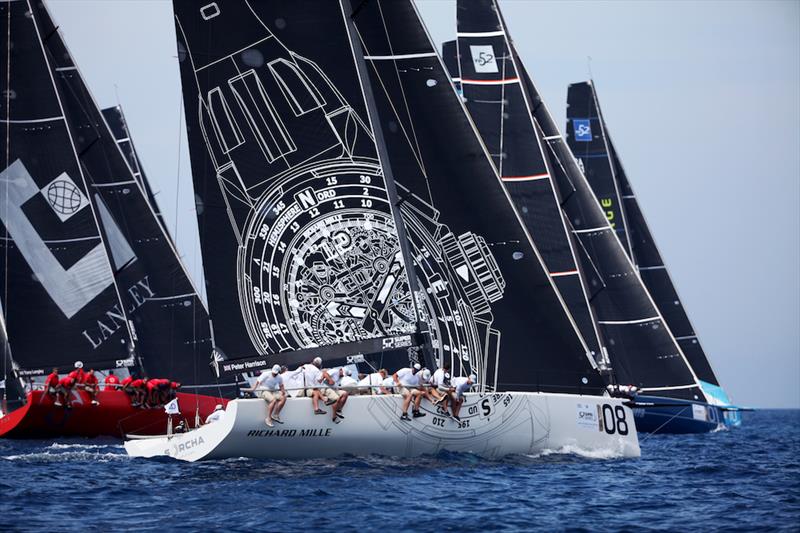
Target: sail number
(613, 419)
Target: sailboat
(89, 273)
(589, 140)
(638, 351)
(350, 208)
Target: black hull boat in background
(636, 345)
(589, 139)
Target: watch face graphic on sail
(317, 255)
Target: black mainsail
(59, 298)
(297, 232)
(490, 87)
(642, 350)
(166, 316)
(589, 140)
(487, 292)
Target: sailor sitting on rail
(334, 397)
(347, 383)
(439, 389)
(269, 386)
(311, 374)
(371, 384)
(460, 386)
(407, 380)
(387, 385)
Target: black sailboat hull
(658, 414)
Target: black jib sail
(59, 298)
(588, 138)
(297, 232)
(487, 293)
(116, 121)
(642, 350)
(490, 88)
(166, 316)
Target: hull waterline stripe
(400, 56)
(623, 322)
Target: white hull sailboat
(491, 426)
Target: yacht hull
(491, 426)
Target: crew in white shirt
(407, 380)
(347, 383)
(333, 397)
(371, 384)
(460, 386)
(387, 386)
(216, 415)
(311, 381)
(269, 386)
(439, 389)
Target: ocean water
(742, 479)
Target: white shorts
(270, 395)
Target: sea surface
(742, 479)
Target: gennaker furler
(330, 152)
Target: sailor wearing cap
(407, 380)
(460, 386)
(347, 382)
(269, 387)
(311, 381)
(216, 415)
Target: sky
(703, 102)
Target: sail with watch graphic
(346, 198)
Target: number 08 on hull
(491, 426)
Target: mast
(165, 314)
(642, 350)
(489, 79)
(644, 251)
(495, 309)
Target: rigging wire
(5, 226)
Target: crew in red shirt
(51, 384)
(65, 386)
(111, 381)
(78, 374)
(90, 386)
(152, 391)
(139, 389)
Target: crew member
(460, 386)
(138, 391)
(436, 385)
(311, 374)
(387, 386)
(371, 384)
(216, 415)
(78, 374)
(348, 383)
(269, 386)
(333, 397)
(51, 386)
(152, 395)
(90, 386)
(408, 382)
(65, 386)
(111, 382)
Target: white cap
(348, 372)
(473, 378)
(218, 407)
(78, 364)
(317, 361)
(426, 374)
(417, 366)
(276, 369)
